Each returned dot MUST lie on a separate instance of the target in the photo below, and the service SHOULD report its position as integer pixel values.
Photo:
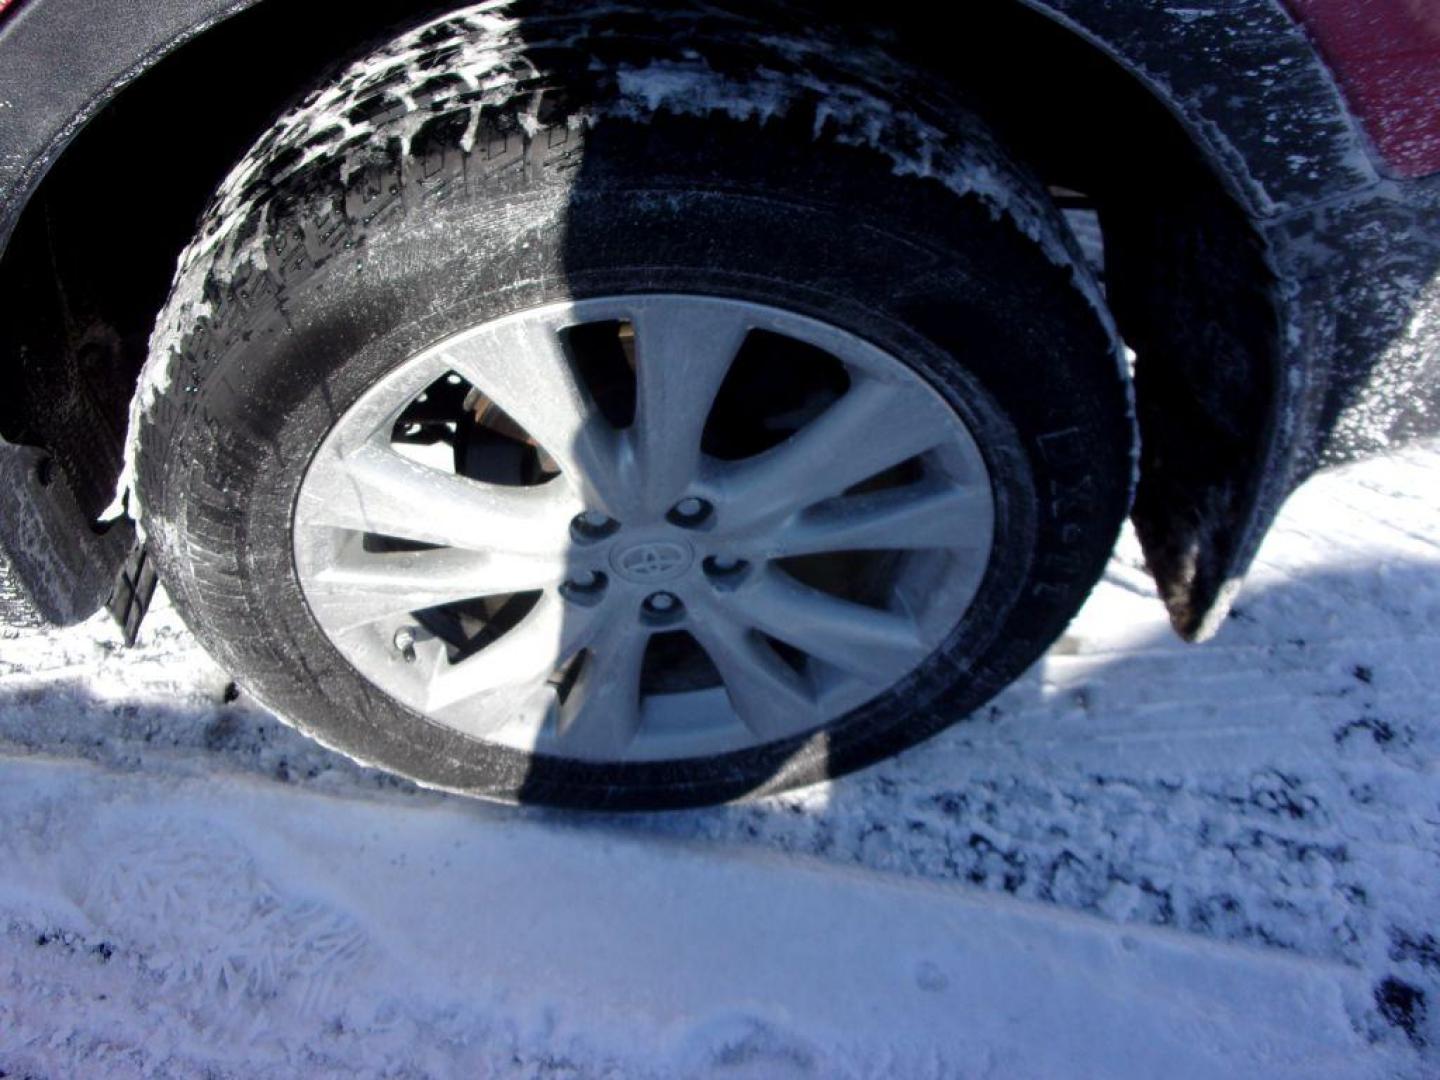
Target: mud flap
(58, 565)
(134, 588)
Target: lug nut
(593, 525)
(724, 566)
(689, 512)
(586, 588)
(662, 603)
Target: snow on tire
(556, 414)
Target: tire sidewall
(295, 345)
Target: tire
(338, 253)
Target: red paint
(1386, 57)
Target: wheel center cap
(653, 560)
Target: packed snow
(1144, 859)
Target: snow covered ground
(1145, 859)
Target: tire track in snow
(1276, 787)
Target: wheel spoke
(872, 427)
(470, 539)
(522, 367)
(530, 651)
(379, 491)
(602, 712)
(683, 352)
(527, 702)
(869, 643)
(770, 697)
(361, 587)
(904, 519)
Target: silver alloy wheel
(634, 532)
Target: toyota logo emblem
(653, 561)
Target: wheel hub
(732, 559)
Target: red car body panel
(1386, 56)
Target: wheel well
(1187, 278)
(92, 256)
(93, 253)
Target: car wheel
(624, 451)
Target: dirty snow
(1144, 859)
